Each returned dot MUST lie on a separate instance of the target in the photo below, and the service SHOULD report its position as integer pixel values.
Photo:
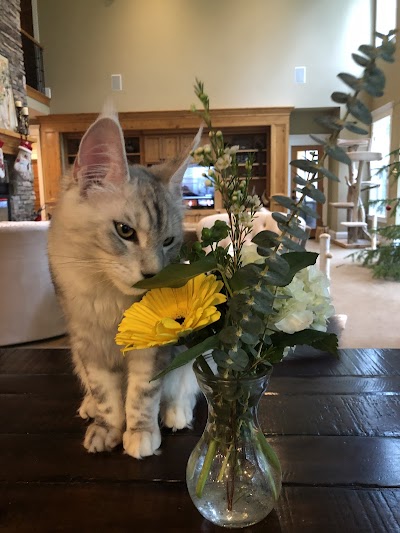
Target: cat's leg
(179, 391)
(105, 395)
(88, 407)
(142, 436)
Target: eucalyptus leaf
(310, 337)
(177, 275)
(337, 153)
(296, 231)
(354, 128)
(253, 325)
(308, 211)
(275, 278)
(285, 201)
(228, 336)
(368, 50)
(329, 122)
(328, 174)
(350, 80)
(339, 97)
(277, 264)
(315, 194)
(239, 359)
(280, 217)
(237, 305)
(361, 60)
(304, 164)
(359, 110)
(266, 239)
(318, 140)
(244, 277)
(189, 355)
(300, 181)
(299, 260)
(249, 338)
(292, 245)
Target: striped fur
(94, 270)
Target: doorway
(311, 153)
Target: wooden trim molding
(11, 141)
(37, 95)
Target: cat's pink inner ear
(101, 156)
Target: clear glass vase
(233, 475)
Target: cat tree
(356, 224)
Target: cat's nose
(148, 275)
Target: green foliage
(385, 260)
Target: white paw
(178, 416)
(88, 407)
(140, 444)
(101, 439)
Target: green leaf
(292, 245)
(359, 110)
(310, 337)
(368, 50)
(266, 238)
(299, 260)
(285, 201)
(339, 97)
(304, 164)
(360, 60)
(314, 193)
(275, 278)
(249, 338)
(177, 275)
(237, 360)
(350, 80)
(329, 122)
(280, 217)
(262, 302)
(374, 81)
(300, 181)
(237, 305)
(228, 336)
(254, 325)
(338, 153)
(244, 277)
(295, 230)
(189, 355)
(308, 211)
(277, 264)
(318, 140)
(327, 173)
(352, 126)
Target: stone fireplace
(17, 189)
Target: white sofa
(29, 310)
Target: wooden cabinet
(71, 141)
(153, 137)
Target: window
(380, 142)
(385, 19)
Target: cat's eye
(125, 231)
(168, 241)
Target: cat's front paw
(88, 407)
(101, 439)
(140, 444)
(177, 416)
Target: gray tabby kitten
(113, 226)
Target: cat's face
(126, 222)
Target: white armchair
(29, 310)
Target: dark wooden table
(335, 425)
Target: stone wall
(21, 187)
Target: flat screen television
(196, 194)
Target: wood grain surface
(334, 423)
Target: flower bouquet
(238, 309)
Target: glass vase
(233, 475)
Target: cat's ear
(171, 172)
(101, 158)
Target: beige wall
(245, 52)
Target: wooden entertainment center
(152, 137)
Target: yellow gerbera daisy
(164, 315)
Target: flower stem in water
(205, 469)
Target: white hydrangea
(309, 305)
